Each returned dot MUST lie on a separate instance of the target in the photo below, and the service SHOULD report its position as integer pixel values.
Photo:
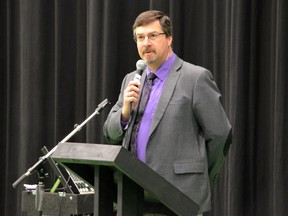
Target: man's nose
(146, 40)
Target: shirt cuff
(124, 124)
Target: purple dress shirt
(155, 93)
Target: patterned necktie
(140, 113)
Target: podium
(111, 170)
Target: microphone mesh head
(140, 64)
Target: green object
(53, 189)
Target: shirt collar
(163, 71)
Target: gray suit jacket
(190, 133)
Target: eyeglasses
(151, 36)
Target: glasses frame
(152, 36)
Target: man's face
(152, 44)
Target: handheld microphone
(140, 66)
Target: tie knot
(151, 76)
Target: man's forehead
(150, 27)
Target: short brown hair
(151, 16)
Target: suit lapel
(167, 93)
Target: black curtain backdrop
(61, 58)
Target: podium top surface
(93, 154)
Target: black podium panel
(55, 204)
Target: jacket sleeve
(213, 122)
(112, 128)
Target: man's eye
(153, 36)
(140, 37)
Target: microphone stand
(77, 129)
(40, 190)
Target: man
(184, 133)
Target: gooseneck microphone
(140, 66)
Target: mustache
(148, 49)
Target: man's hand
(131, 95)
